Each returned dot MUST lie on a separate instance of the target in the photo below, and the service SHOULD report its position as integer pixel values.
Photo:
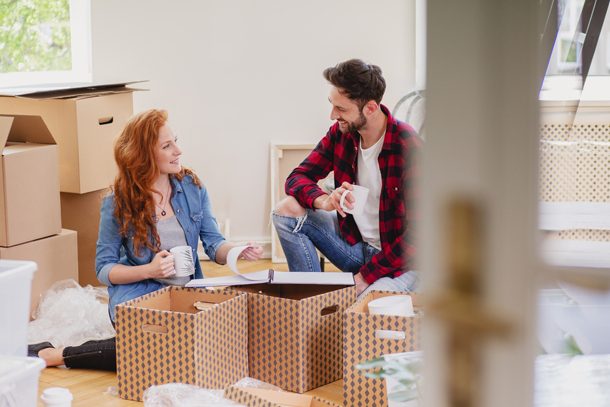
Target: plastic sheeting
(69, 315)
(186, 395)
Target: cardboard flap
(24, 129)
(63, 89)
(272, 398)
(300, 277)
(6, 123)
(296, 292)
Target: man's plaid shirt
(397, 162)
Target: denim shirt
(193, 210)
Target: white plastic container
(561, 316)
(15, 290)
(19, 380)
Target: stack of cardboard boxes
(57, 140)
(30, 218)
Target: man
(366, 146)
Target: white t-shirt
(369, 176)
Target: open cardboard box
(29, 181)
(362, 342)
(295, 333)
(84, 119)
(250, 396)
(163, 338)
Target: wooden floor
(95, 388)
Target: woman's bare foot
(52, 356)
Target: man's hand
(361, 283)
(331, 202)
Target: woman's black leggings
(98, 355)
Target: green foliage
(408, 372)
(572, 347)
(35, 35)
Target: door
(478, 232)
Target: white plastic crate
(15, 290)
(19, 381)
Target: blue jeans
(319, 229)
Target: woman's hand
(162, 265)
(252, 252)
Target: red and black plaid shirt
(339, 153)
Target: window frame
(80, 41)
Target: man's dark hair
(357, 80)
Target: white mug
(183, 261)
(56, 397)
(360, 194)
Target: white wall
(237, 75)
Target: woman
(155, 205)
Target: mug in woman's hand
(183, 261)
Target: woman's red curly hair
(134, 153)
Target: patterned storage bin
(163, 338)
(296, 333)
(362, 343)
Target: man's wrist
(361, 283)
(320, 202)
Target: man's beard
(357, 125)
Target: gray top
(171, 235)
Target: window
(575, 184)
(581, 51)
(44, 42)
(568, 46)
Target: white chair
(411, 109)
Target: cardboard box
(250, 396)
(361, 344)
(29, 182)
(81, 212)
(56, 257)
(295, 333)
(162, 338)
(84, 120)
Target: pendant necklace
(163, 213)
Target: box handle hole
(329, 310)
(392, 335)
(154, 329)
(105, 120)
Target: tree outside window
(44, 42)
